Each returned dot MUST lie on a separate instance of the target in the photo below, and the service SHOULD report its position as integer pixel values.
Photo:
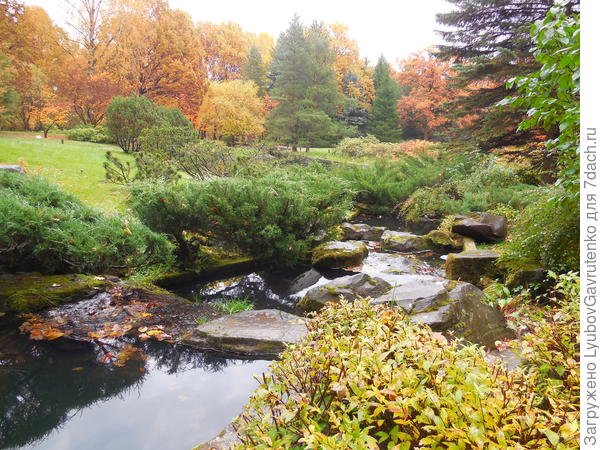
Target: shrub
(88, 133)
(173, 117)
(546, 233)
(354, 147)
(366, 377)
(385, 183)
(47, 230)
(482, 186)
(127, 117)
(276, 217)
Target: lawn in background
(76, 166)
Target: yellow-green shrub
(366, 377)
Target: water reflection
(52, 397)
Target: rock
(32, 292)
(304, 280)
(350, 287)
(361, 231)
(225, 440)
(398, 241)
(471, 265)
(446, 239)
(528, 278)
(449, 306)
(482, 227)
(12, 168)
(425, 225)
(261, 333)
(336, 254)
(464, 313)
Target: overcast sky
(395, 28)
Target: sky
(394, 28)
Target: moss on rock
(31, 292)
(336, 254)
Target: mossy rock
(32, 292)
(350, 287)
(446, 239)
(398, 241)
(337, 254)
(471, 265)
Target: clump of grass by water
(201, 320)
(235, 305)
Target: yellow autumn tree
(232, 109)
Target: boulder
(361, 232)
(336, 254)
(449, 306)
(349, 287)
(12, 168)
(531, 278)
(425, 225)
(30, 292)
(446, 239)
(225, 440)
(398, 241)
(482, 227)
(471, 265)
(261, 333)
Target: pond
(54, 397)
(61, 395)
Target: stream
(61, 395)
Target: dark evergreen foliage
(384, 122)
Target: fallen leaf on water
(2, 314)
(77, 369)
(55, 285)
(142, 329)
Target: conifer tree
(384, 122)
(489, 40)
(304, 87)
(255, 70)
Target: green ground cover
(75, 166)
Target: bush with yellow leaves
(366, 377)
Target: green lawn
(76, 166)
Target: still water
(54, 398)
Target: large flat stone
(471, 265)
(350, 287)
(361, 231)
(261, 333)
(399, 241)
(337, 254)
(483, 227)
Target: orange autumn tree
(225, 50)
(425, 84)
(49, 109)
(232, 109)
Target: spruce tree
(304, 85)
(490, 42)
(384, 122)
(255, 70)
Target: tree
(384, 121)
(225, 50)
(304, 87)
(49, 110)
(160, 55)
(232, 109)
(353, 77)
(551, 94)
(425, 83)
(8, 94)
(127, 117)
(255, 71)
(490, 44)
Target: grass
(75, 166)
(325, 153)
(235, 305)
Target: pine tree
(384, 122)
(255, 70)
(305, 87)
(491, 44)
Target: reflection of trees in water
(178, 358)
(40, 391)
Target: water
(53, 397)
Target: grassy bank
(76, 166)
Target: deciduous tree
(232, 109)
